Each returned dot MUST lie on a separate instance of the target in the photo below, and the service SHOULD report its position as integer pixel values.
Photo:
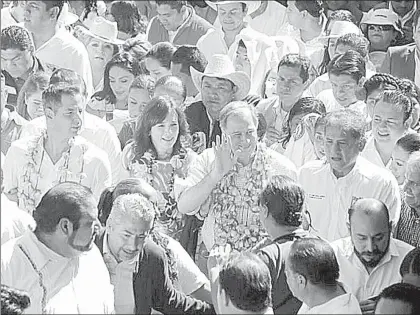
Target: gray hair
(413, 164)
(237, 108)
(131, 207)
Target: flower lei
(29, 193)
(236, 208)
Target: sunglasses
(381, 28)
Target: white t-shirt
(343, 304)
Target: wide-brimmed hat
(66, 17)
(252, 6)
(340, 28)
(104, 30)
(220, 66)
(380, 17)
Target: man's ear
(54, 13)
(65, 226)
(49, 113)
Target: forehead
(388, 109)
(336, 131)
(217, 81)
(165, 9)
(171, 117)
(11, 53)
(240, 121)
(69, 101)
(39, 4)
(119, 72)
(342, 78)
(229, 6)
(289, 72)
(368, 224)
(133, 225)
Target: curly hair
(380, 80)
(16, 37)
(13, 302)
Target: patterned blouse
(408, 228)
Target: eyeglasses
(381, 28)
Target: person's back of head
(399, 298)
(354, 42)
(410, 268)
(16, 37)
(341, 15)
(13, 302)
(245, 285)
(313, 7)
(127, 16)
(171, 86)
(70, 77)
(187, 56)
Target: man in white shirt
(261, 51)
(35, 164)
(56, 45)
(345, 175)
(369, 258)
(312, 273)
(391, 119)
(59, 265)
(225, 181)
(12, 14)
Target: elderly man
(391, 120)
(344, 175)
(176, 22)
(246, 47)
(408, 229)
(34, 164)
(219, 85)
(54, 44)
(58, 264)
(137, 265)
(369, 258)
(224, 183)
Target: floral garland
(235, 205)
(29, 193)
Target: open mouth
(382, 134)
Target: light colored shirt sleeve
(10, 167)
(102, 175)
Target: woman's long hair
(128, 18)
(155, 113)
(123, 60)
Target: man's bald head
(371, 207)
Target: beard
(81, 248)
(377, 256)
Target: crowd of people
(210, 157)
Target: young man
(177, 23)
(343, 175)
(346, 73)
(58, 264)
(399, 298)
(35, 164)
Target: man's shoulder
(314, 166)
(197, 22)
(22, 145)
(399, 51)
(279, 159)
(374, 172)
(195, 110)
(402, 247)
(153, 253)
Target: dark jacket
(153, 287)
(399, 61)
(188, 34)
(198, 119)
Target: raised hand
(225, 157)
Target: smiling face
(399, 160)
(216, 94)
(34, 104)
(290, 85)
(16, 62)
(155, 69)
(341, 150)
(165, 134)
(231, 15)
(344, 88)
(120, 80)
(137, 101)
(126, 239)
(388, 123)
(100, 53)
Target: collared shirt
(371, 154)
(77, 285)
(261, 51)
(64, 50)
(172, 34)
(408, 228)
(331, 104)
(354, 274)
(11, 128)
(96, 131)
(14, 222)
(94, 165)
(328, 202)
(343, 304)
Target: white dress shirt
(331, 104)
(64, 50)
(343, 304)
(354, 274)
(371, 154)
(96, 131)
(95, 165)
(329, 197)
(261, 50)
(77, 285)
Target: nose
(369, 245)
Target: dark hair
(65, 200)
(411, 263)
(127, 16)
(36, 81)
(305, 105)
(137, 47)
(155, 113)
(314, 259)
(398, 100)
(350, 63)
(380, 80)
(13, 302)
(174, 83)
(16, 37)
(162, 52)
(122, 60)
(144, 82)
(49, 4)
(262, 126)
(174, 4)
(90, 6)
(297, 61)
(285, 200)
(247, 281)
(189, 56)
(357, 43)
(403, 292)
(349, 121)
(313, 7)
(134, 186)
(410, 89)
(52, 95)
(68, 76)
(410, 142)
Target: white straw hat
(104, 30)
(220, 66)
(380, 17)
(252, 6)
